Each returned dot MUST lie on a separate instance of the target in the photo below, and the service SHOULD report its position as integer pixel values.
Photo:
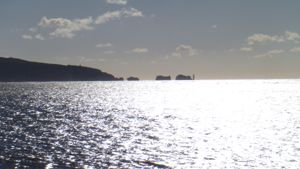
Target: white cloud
(33, 29)
(292, 36)
(28, 37)
(295, 50)
(104, 45)
(101, 60)
(115, 15)
(39, 37)
(184, 50)
(260, 38)
(66, 28)
(231, 50)
(139, 50)
(214, 26)
(270, 54)
(246, 49)
(118, 2)
(109, 52)
(263, 38)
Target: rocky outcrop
(183, 77)
(119, 79)
(133, 79)
(160, 77)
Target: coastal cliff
(17, 70)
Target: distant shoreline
(156, 81)
(18, 70)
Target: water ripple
(198, 124)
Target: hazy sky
(208, 38)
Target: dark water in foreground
(194, 124)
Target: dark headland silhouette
(17, 70)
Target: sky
(209, 38)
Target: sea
(215, 124)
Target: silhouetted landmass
(120, 79)
(133, 79)
(183, 77)
(17, 70)
(160, 77)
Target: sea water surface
(150, 124)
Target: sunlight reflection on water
(178, 124)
